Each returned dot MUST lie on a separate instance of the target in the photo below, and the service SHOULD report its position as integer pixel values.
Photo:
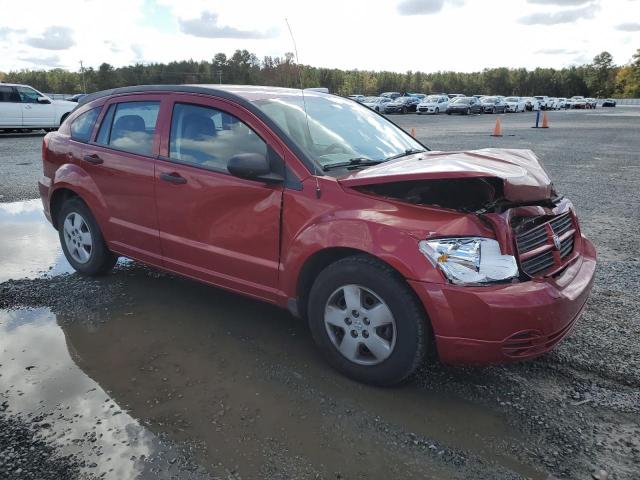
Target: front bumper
(502, 323)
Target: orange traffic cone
(413, 132)
(545, 121)
(497, 130)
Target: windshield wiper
(409, 151)
(352, 162)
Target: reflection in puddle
(39, 378)
(29, 245)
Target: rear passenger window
(207, 137)
(8, 94)
(82, 126)
(130, 126)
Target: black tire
(468, 111)
(101, 259)
(437, 110)
(64, 117)
(493, 110)
(411, 330)
(404, 110)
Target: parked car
(591, 102)
(552, 103)
(577, 101)
(493, 105)
(531, 103)
(419, 96)
(433, 104)
(376, 103)
(464, 105)
(456, 95)
(77, 97)
(24, 107)
(515, 104)
(357, 98)
(562, 103)
(389, 252)
(391, 95)
(543, 101)
(609, 102)
(402, 105)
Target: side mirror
(253, 166)
(43, 100)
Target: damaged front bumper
(508, 322)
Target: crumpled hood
(524, 178)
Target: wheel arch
(58, 198)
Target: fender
(76, 179)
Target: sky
(395, 35)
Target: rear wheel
(366, 321)
(404, 110)
(82, 241)
(437, 110)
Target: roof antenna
(304, 103)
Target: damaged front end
(509, 191)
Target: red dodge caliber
(320, 205)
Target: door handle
(94, 159)
(173, 177)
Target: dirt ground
(142, 374)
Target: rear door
(35, 114)
(10, 107)
(120, 160)
(214, 226)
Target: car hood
(64, 103)
(524, 178)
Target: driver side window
(207, 137)
(28, 95)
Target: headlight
(470, 259)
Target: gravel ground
(239, 382)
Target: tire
(437, 110)
(93, 261)
(493, 110)
(401, 344)
(468, 111)
(448, 113)
(404, 110)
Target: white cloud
(362, 34)
(53, 38)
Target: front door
(35, 114)
(214, 226)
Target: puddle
(29, 245)
(39, 379)
(239, 378)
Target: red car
(320, 205)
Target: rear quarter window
(82, 126)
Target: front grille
(537, 248)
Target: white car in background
(515, 104)
(376, 103)
(543, 100)
(357, 98)
(531, 103)
(562, 103)
(577, 101)
(24, 107)
(433, 104)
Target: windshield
(338, 129)
(431, 99)
(489, 99)
(512, 99)
(371, 100)
(460, 100)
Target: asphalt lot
(143, 374)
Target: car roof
(14, 85)
(237, 92)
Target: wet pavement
(141, 374)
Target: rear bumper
(44, 186)
(484, 325)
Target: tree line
(600, 78)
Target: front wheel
(82, 241)
(367, 322)
(437, 110)
(468, 111)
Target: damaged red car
(318, 204)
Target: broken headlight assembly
(470, 260)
